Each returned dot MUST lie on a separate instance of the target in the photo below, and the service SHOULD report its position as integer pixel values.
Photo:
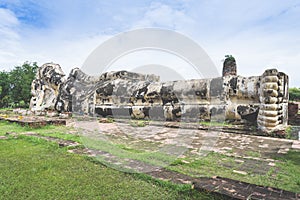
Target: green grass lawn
(285, 175)
(11, 127)
(31, 168)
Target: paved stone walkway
(255, 154)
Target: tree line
(294, 94)
(15, 85)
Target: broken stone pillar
(45, 88)
(273, 109)
(229, 66)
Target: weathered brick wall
(260, 100)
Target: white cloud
(161, 15)
(260, 37)
(8, 19)
(69, 53)
(10, 38)
(260, 34)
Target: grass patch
(5, 109)
(288, 131)
(61, 135)
(289, 173)
(49, 130)
(138, 123)
(215, 123)
(206, 166)
(35, 169)
(12, 127)
(253, 154)
(158, 158)
(285, 175)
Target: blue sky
(260, 34)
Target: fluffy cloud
(162, 15)
(10, 39)
(260, 34)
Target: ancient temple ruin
(260, 100)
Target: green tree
(294, 94)
(5, 89)
(20, 79)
